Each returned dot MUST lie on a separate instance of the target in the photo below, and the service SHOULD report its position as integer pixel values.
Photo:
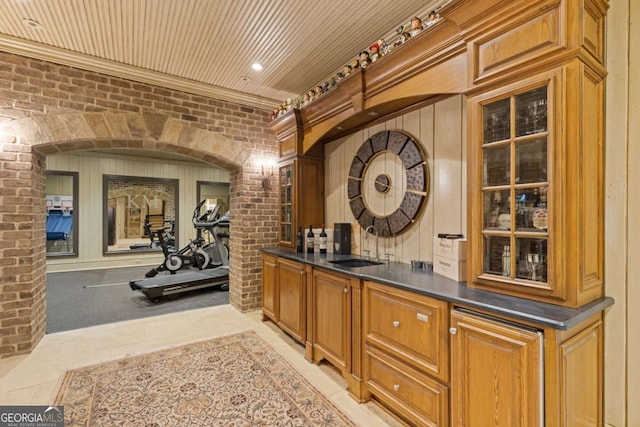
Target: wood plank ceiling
(206, 46)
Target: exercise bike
(190, 255)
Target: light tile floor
(33, 379)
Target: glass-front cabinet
(515, 186)
(286, 203)
(536, 187)
(300, 196)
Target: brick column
(254, 225)
(22, 248)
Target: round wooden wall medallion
(382, 183)
(388, 182)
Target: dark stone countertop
(402, 276)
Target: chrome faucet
(366, 237)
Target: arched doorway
(39, 136)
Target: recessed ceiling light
(245, 78)
(373, 113)
(31, 23)
(256, 66)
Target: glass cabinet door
(515, 184)
(286, 203)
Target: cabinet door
(514, 187)
(496, 375)
(270, 287)
(292, 298)
(287, 215)
(301, 197)
(535, 198)
(331, 333)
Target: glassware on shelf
(285, 232)
(494, 249)
(531, 108)
(506, 261)
(497, 210)
(496, 123)
(534, 261)
(531, 209)
(531, 261)
(531, 161)
(285, 175)
(538, 115)
(497, 165)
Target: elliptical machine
(211, 259)
(192, 254)
(209, 221)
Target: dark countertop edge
(433, 285)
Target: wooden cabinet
(536, 196)
(334, 325)
(301, 197)
(434, 363)
(496, 372)
(406, 359)
(330, 331)
(270, 294)
(291, 302)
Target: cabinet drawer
(414, 328)
(414, 396)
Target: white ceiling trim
(65, 57)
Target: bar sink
(355, 262)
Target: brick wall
(47, 108)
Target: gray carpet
(78, 299)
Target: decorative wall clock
(388, 182)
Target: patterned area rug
(237, 380)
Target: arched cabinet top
(477, 46)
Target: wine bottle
(310, 240)
(299, 241)
(323, 241)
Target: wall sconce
(267, 169)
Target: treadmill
(187, 280)
(183, 281)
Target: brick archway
(22, 239)
(55, 133)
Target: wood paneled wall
(622, 227)
(91, 169)
(440, 129)
(58, 184)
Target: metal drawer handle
(396, 387)
(396, 323)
